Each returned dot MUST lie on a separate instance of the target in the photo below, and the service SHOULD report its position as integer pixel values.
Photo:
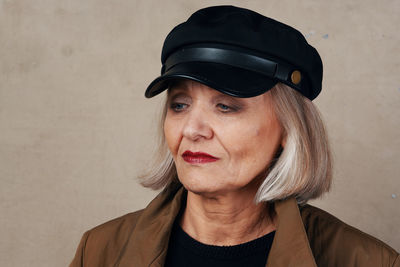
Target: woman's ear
(283, 141)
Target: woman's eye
(224, 108)
(178, 106)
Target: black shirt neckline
(244, 250)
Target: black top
(183, 250)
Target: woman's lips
(197, 157)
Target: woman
(243, 150)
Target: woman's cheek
(170, 137)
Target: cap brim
(223, 78)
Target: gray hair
(302, 169)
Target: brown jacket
(305, 236)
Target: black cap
(240, 53)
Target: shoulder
(102, 245)
(115, 232)
(117, 228)
(335, 243)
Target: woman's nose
(197, 125)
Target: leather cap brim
(223, 78)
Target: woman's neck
(225, 220)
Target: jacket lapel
(290, 246)
(148, 243)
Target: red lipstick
(197, 157)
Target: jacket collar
(148, 243)
(290, 246)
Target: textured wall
(75, 129)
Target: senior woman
(243, 149)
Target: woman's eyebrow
(176, 93)
(176, 87)
(229, 99)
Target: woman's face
(219, 143)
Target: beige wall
(75, 128)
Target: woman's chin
(213, 190)
(204, 189)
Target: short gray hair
(302, 169)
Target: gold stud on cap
(296, 77)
